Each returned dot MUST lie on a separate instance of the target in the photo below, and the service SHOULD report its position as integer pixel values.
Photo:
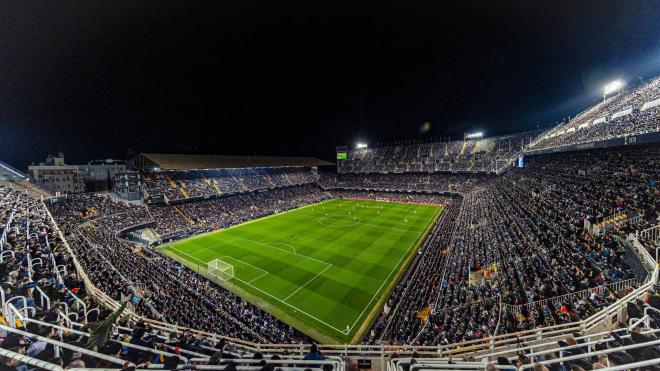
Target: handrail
(618, 286)
(29, 360)
(60, 344)
(65, 318)
(80, 302)
(13, 314)
(595, 353)
(652, 233)
(43, 297)
(74, 314)
(606, 338)
(634, 365)
(17, 298)
(418, 366)
(6, 252)
(123, 343)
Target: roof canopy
(191, 162)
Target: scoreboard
(342, 152)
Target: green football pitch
(324, 269)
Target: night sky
(92, 79)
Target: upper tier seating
(632, 112)
(485, 155)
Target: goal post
(220, 269)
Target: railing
(632, 220)
(10, 219)
(649, 262)
(607, 222)
(22, 358)
(58, 344)
(508, 164)
(651, 234)
(44, 300)
(558, 300)
(617, 308)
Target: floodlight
(612, 87)
(474, 135)
(361, 145)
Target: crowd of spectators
(222, 212)
(38, 277)
(478, 155)
(187, 298)
(435, 182)
(503, 242)
(631, 112)
(519, 239)
(176, 185)
(406, 197)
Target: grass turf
(325, 269)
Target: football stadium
(259, 209)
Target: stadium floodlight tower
(613, 87)
(473, 135)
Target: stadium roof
(190, 162)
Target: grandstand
(179, 177)
(8, 173)
(484, 155)
(427, 256)
(632, 116)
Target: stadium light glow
(361, 145)
(612, 87)
(478, 134)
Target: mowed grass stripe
(322, 274)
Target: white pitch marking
(246, 263)
(283, 243)
(348, 330)
(290, 252)
(254, 279)
(371, 225)
(388, 277)
(276, 298)
(213, 246)
(305, 284)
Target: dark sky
(93, 78)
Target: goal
(220, 269)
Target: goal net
(220, 269)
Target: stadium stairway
(183, 190)
(170, 180)
(183, 215)
(216, 187)
(463, 148)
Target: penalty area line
(306, 283)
